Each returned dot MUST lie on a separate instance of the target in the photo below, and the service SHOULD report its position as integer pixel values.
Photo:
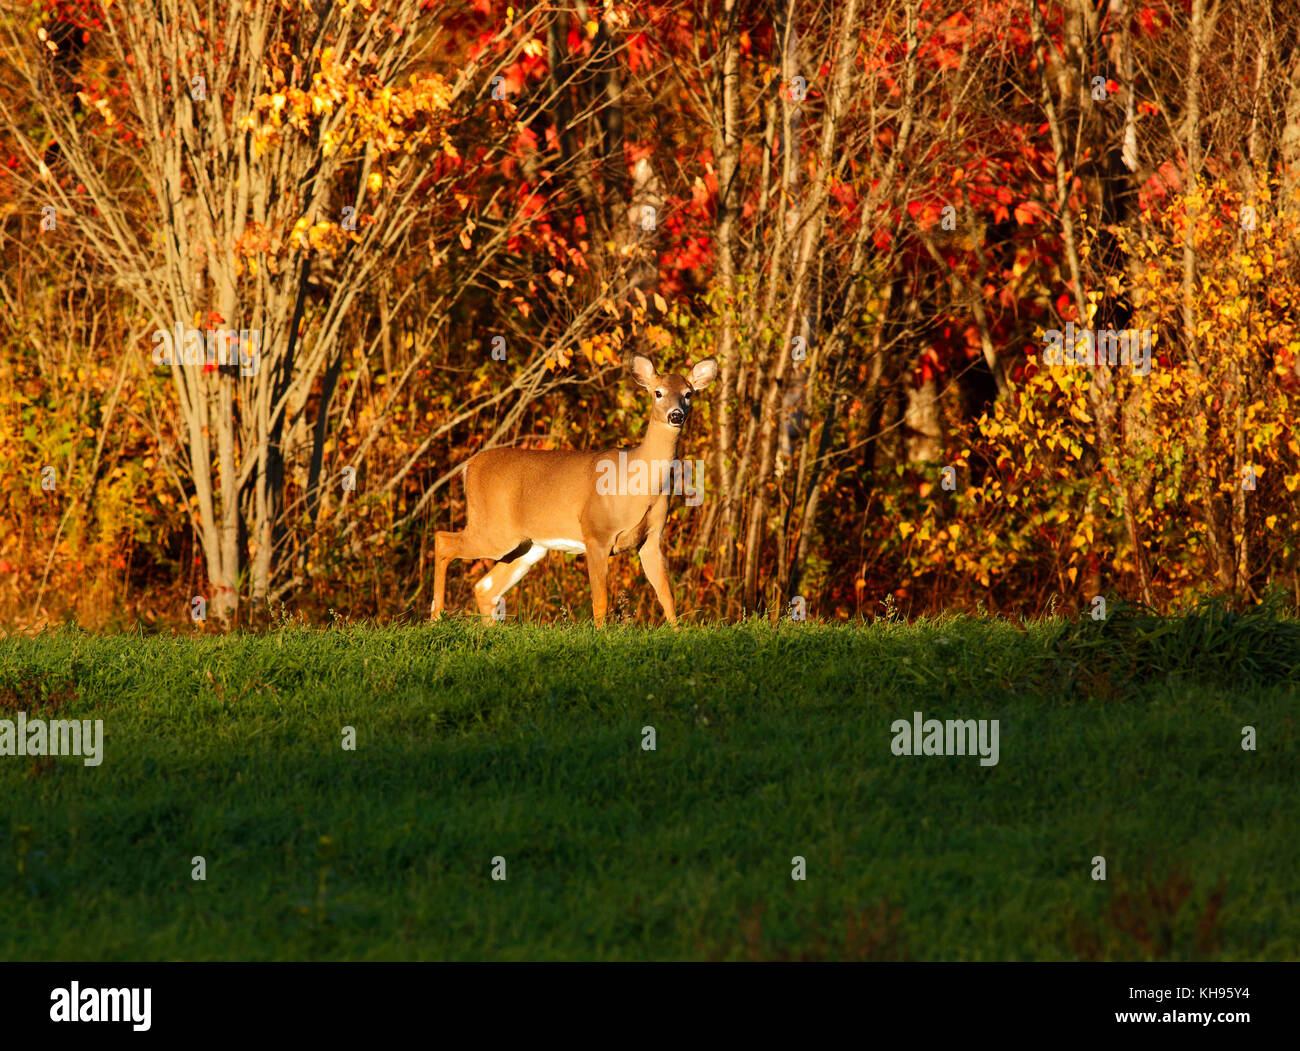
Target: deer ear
(643, 372)
(704, 373)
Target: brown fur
(518, 500)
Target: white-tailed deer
(522, 503)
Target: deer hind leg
(469, 545)
(503, 576)
(446, 546)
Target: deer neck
(659, 443)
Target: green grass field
(1120, 739)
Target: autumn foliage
(452, 223)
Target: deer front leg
(597, 572)
(652, 562)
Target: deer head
(673, 394)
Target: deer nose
(677, 417)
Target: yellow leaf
(906, 528)
(592, 29)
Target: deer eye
(659, 394)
